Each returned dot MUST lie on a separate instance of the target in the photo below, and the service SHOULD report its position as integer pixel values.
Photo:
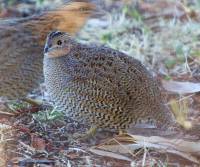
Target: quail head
(101, 86)
(22, 42)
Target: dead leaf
(109, 154)
(178, 144)
(180, 110)
(181, 87)
(179, 147)
(37, 142)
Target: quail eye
(59, 42)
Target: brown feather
(22, 43)
(69, 18)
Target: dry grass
(167, 42)
(6, 137)
(169, 47)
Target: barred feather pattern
(104, 87)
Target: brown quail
(22, 42)
(101, 86)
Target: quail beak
(46, 48)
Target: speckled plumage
(22, 41)
(101, 86)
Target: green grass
(48, 116)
